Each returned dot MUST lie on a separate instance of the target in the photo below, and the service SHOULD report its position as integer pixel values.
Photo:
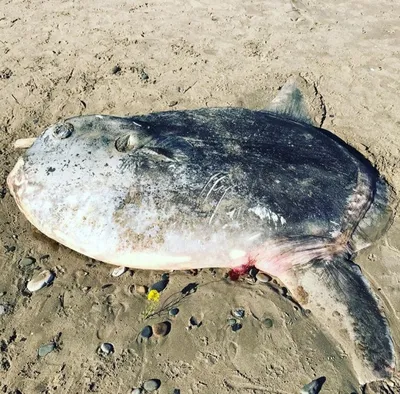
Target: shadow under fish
(221, 187)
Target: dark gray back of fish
(314, 181)
(304, 175)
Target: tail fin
(340, 297)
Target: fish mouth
(17, 183)
(16, 180)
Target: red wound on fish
(241, 270)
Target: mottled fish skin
(212, 178)
(220, 187)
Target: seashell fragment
(116, 272)
(45, 278)
(239, 313)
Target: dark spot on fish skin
(49, 170)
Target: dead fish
(221, 187)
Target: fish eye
(126, 143)
(63, 130)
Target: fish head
(104, 186)
(76, 142)
(76, 166)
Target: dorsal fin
(290, 103)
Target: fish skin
(221, 166)
(220, 187)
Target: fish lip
(15, 178)
(16, 182)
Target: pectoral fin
(340, 297)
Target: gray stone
(26, 261)
(44, 350)
(173, 311)
(152, 385)
(147, 332)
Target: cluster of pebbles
(160, 329)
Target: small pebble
(26, 261)
(263, 278)
(143, 75)
(147, 332)
(40, 280)
(314, 387)
(236, 327)
(193, 272)
(239, 313)
(189, 289)
(268, 323)
(137, 391)
(9, 249)
(106, 348)
(194, 322)
(231, 322)
(151, 385)
(44, 350)
(116, 69)
(140, 289)
(6, 73)
(253, 272)
(45, 258)
(160, 285)
(118, 271)
(161, 329)
(173, 311)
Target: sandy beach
(66, 58)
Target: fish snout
(16, 179)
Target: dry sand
(64, 58)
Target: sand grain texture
(64, 58)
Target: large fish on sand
(221, 187)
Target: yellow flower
(153, 295)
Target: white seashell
(118, 271)
(40, 280)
